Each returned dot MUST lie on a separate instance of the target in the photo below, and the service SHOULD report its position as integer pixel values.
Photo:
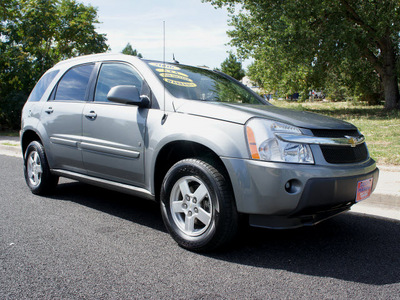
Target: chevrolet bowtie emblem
(353, 141)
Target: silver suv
(204, 146)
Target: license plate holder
(364, 189)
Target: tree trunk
(391, 91)
(389, 74)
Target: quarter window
(74, 83)
(42, 85)
(113, 74)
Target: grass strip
(380, 127)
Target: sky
(195, 31)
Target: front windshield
(201, 84)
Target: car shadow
(351, 247)
(140, 211)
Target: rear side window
(42, 85)
(74, 83)
(113, 74)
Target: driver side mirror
(128, 94)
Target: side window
(74, 83)
(113, 74)
(42, 85)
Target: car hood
(241, 113)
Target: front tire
(36, 170)
(197, 206)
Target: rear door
(62, 118)
(113, 134)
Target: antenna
(164, 118)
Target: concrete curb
(385, 201)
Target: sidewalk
(384, 202)
(10, 145)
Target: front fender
(225, 139)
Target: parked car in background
(316, 95)
(204, 146)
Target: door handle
(92, 115)
(49, 110)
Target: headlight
(264, 144)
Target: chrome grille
(341, 155)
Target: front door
(113, 134)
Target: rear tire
(36, 170)
(197, 206)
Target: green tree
(309, 41)
(232, 67)
(128, 50)
(34, 35)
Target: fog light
(293, 186)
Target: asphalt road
(86, 242)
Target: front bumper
(314, 192)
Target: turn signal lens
(251, 140)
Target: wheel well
(28, 137)
(176, 151)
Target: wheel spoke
(203, 216)
(184, 187)
(200, 192)
(39, 169)
(36, 158)
(34, 178)
(189, 224)
(30, 166)
(32, 162)
(177, 207)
